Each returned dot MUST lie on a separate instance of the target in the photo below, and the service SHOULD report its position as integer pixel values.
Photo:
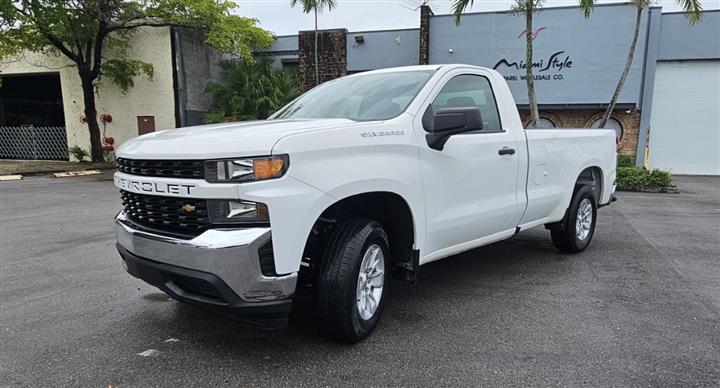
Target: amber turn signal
(269, 168)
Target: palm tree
(250, 91)
(527, 8)
(693, 11)
(314, 6)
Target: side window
(469, 90)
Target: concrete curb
(51, 171)
(76, 173)
(653, 190)
(4, 178)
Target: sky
(364, 15)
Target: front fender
(294, 206)
(344, 162)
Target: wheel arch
(593, 177)
(389, 208)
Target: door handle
(506, 151)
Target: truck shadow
(470, 276)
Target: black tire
(336, 306)
(566, 239)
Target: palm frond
(312, 5)
(586, 7)
(692, 10)
(458, 7)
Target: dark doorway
(32, 122)
(31, 100)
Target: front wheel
(349, 293)
(579, 227)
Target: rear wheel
(351, 284)
(579, 226)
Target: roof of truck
(421, 67)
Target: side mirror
(447, 122)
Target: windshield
(379, 96)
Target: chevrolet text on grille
(153, 187)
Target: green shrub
(214, 118)
(660, 178)
(625, 161)
(250, 91)
(78, 153)
(637, 178)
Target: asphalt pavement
(640, 307)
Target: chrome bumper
(229, 254)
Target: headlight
(247, 169)
(223, 212)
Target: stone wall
(582, 118)
(425, 14)
(332, 56)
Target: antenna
(414, 5)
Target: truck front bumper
(219, 269)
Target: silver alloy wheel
(370, 281)
(584, 219)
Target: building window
(611, 124)
(544, 122)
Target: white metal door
(470, 185)
(685, 122)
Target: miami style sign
(545, 69)
(551, 68)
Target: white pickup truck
(360, 178)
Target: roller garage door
(685, 121)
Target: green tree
(87, 32)
(250, 91)
(693, 11)
(315, 6)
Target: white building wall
(153, 97)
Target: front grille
(181, 216)
(189, 169)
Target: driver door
(470, 187)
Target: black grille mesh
(198, 287)
(189, 169)
(183, 216)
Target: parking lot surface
(640, 307)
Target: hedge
(625, 161)
(637, 178)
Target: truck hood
(228, 140)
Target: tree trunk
(532, 101)
(91, 117)
(623, 77)
(317, 70)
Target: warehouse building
(668, 114)
(41, 100)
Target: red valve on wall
(107, 141)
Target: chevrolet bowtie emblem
(188, 208)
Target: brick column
(332, 56)
(425, 14)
